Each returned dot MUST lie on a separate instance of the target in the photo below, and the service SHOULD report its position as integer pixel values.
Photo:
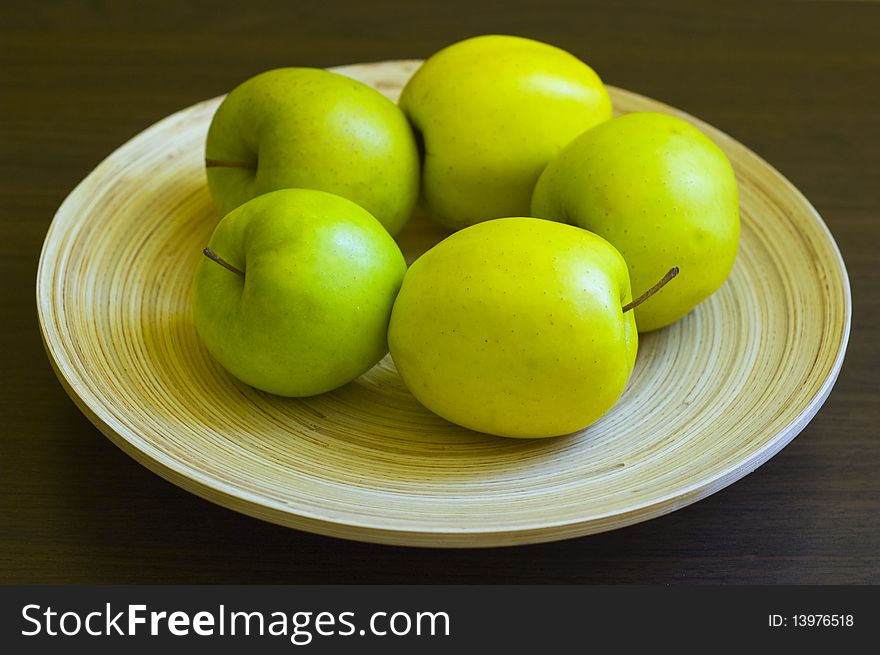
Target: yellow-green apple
(491, 112)
(296, 291)
(313, 129)
(517, 327)
(662, 193)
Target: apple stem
(671, 273)
(213, 256)
(225, 163)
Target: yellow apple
(662, 193)
(312, 129)
(296, 294)
(516, 327)
(492, 111)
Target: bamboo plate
(712, 398)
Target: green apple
(492, 111)
(662, 193)
(313, 129)
(516, 327)
(296, 293)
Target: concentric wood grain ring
(712, 397)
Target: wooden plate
(712, 398)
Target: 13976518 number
(822, 620)
(811, 621)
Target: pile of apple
(521, 323)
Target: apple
(491, 112)
(662, 193)
(313, 129)
(296, 291)
(517, 327)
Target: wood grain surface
(77, 82)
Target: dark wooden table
(797, 82)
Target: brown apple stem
(671, 273)
(213, 256)
(225, 163)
